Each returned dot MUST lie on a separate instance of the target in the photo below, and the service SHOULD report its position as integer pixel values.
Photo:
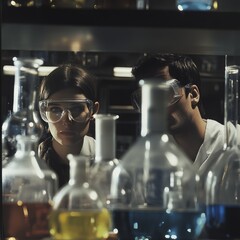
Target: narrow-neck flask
(153, 188)
(28, 185)
(24, 119)
(223, 177)
(78, 212)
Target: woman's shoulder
(88, 147)
(44, 147)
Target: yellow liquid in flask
(80, 225)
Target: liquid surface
(80, 225)
(223, 222)
(25, 221)
(158, 224)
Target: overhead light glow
(43, 70)
(122, 72)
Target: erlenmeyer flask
(28, 185)
(153, 188)
(223, 178)
(78, 212)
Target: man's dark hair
(180, 67)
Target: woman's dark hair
(68, 76)
(180, 67)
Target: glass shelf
(46, 29)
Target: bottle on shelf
(78, 212)
(222, 182)
(153, 188)
(194, 5)
(27, 3)
(105, 157)
(28, 185)
(75, 4)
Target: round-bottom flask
(153, 188)
(78, 213)
(28, 188)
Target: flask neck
(25, 83)
(231, 104)
(26, 145)
(154, 108)
(79, 169)
(24, 120)
(105, 135)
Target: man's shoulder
(214, 128)
(214, 123)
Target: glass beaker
(223, 177)
(28, 185)
(153, 188)
(78, 212)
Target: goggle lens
(77, 110)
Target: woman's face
(68, 132)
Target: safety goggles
(175, 90)
(175, 94)
(52, 111)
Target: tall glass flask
(105, 157)
(223, 178)
(28, 185)
(24, 119)
(153, 188)
(78, 212)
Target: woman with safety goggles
(67, 102)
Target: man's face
(180, 112)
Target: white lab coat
(213, 143)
